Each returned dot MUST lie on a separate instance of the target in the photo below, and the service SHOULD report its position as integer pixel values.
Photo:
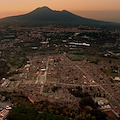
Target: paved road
(42, 77)
(76, 85)
(4, 104)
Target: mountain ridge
(44, 16)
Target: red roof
(1, 116)
(37, 72)
(118, 111)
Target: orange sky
(14, 7)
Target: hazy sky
(14, 7)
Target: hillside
(46, 16)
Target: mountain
(46, 16)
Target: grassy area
(109, 72)
(74, 57)
(4, 68)
(92, 59)
(16, 60)
(10, 63)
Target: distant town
(58, 70)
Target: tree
(87, 101)
(22, 113)
(4, 68)
(93, 118)
(88, 116)
(100, 115)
